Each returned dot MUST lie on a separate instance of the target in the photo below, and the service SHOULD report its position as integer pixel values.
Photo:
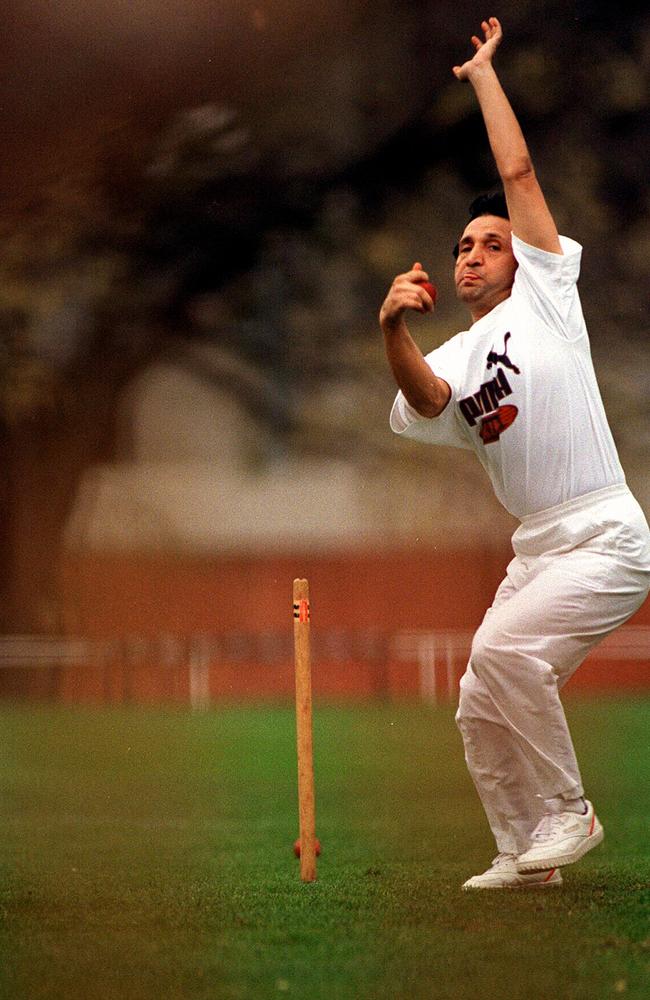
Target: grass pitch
(148, 854)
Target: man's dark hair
(487, 204)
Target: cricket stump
(306, 799)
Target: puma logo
(502, 359)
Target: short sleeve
(445, 429)
(548, 282)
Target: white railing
(439, 655)
(442, 655)
(44, 651)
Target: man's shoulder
(525, 253)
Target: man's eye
(494, 246)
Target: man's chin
(481, 299)
(469, 293)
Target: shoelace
(547, 826)
(502, 859)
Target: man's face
(485, 267)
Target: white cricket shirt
(524, 394)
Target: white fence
(440, 656)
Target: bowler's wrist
(480, 71)
(392, 325)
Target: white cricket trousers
(580, 570)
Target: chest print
(502, 359)
(484, 406)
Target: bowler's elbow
(431, 404)
(518, 169)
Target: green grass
(147, 854)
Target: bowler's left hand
(484, 50)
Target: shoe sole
(561, 860)
(512, 888)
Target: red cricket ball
(296, 847)
(431, 289)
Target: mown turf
(147, 854)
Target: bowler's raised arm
(531, 219)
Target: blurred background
(203, 205)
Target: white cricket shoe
(560, 838)
(503, 874)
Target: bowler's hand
(405, 293)
(484, 50)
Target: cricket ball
(296, 847)
(431, 289)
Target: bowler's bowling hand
(484, 49)
(406, 292)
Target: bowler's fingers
(495, 30)
(491, 29)
(414, 295)
(418, 276)
(406, 292)
(402, 298)
(417, 303)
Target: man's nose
(475, 256)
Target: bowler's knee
(473, 702)
(487, 654)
